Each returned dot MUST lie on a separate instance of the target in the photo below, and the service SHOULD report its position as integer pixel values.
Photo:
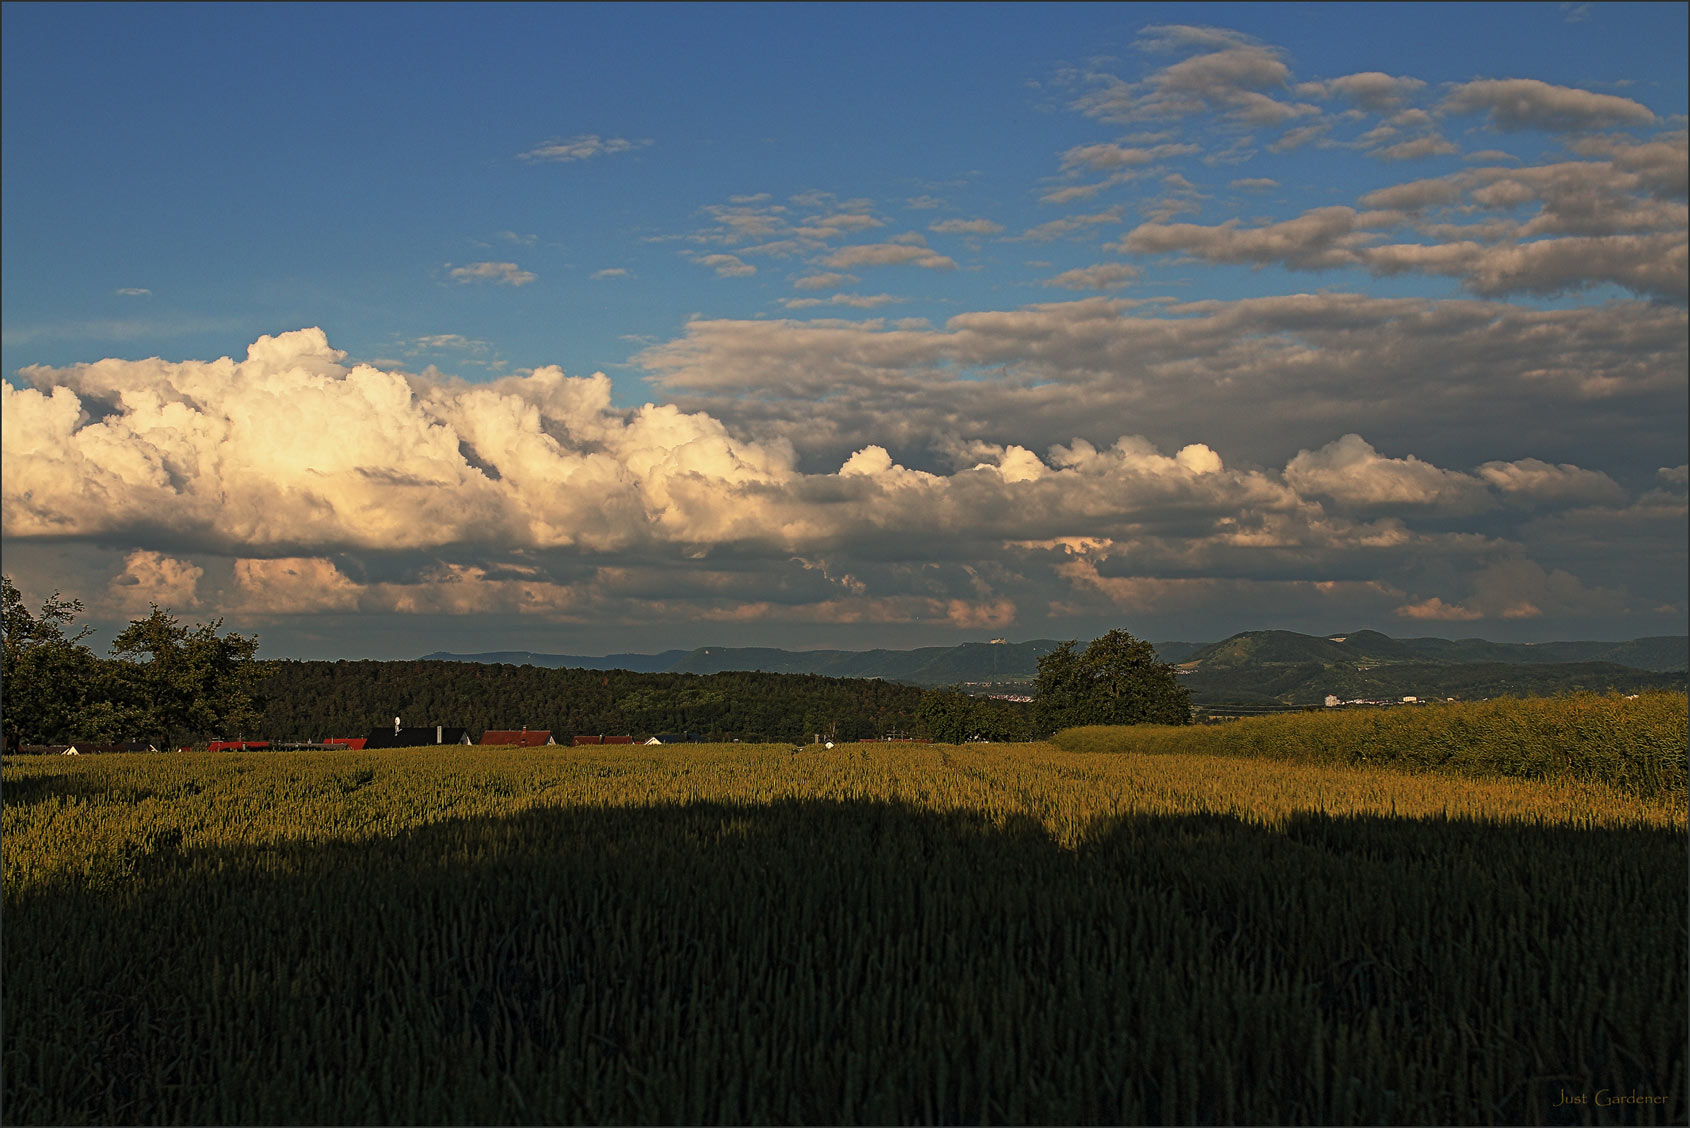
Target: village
(1333, 702)
(417, 736)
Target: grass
(706, 934)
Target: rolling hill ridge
(1282, 667)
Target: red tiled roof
(526, 738)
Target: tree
(1117, 680)
(46, 673)
(166, 680)
(187, 681)
(947, 715)
(1058, 690)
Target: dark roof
(415, 737)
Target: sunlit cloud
(535, 495)
(966, 227)
(888, 254)
(500, 273)
(1526, 103)
(1104, 276)
(726, 266)
(581, 147)
(151, 578)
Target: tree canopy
(187, 680)
(1116, 680)
(165, 681)
(46, 673)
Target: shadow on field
(829, 962)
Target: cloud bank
(293, 483)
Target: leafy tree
(1116, 680)
(948, 716)
(187, 681)
(1059, 689)
(46, 672)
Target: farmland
(1144, 926)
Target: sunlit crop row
(1635, 743)
(869, 933)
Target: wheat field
(867, 934)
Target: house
(602, 739)
(674, 738)
(236, 745)
(526, 738)
(415, 736)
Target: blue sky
(918, 324)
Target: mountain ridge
(1361, 650)
(1662, 653)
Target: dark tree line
(1115, 680)
(312, 700)
(165, 682)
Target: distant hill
(1257, 648)
(635, 663)
(928, 665)
(1308, 683)
(1255, 665)
(1283, 667)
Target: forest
(1115, 680)
(168, 683)
(311, 700)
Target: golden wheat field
(868, 934)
